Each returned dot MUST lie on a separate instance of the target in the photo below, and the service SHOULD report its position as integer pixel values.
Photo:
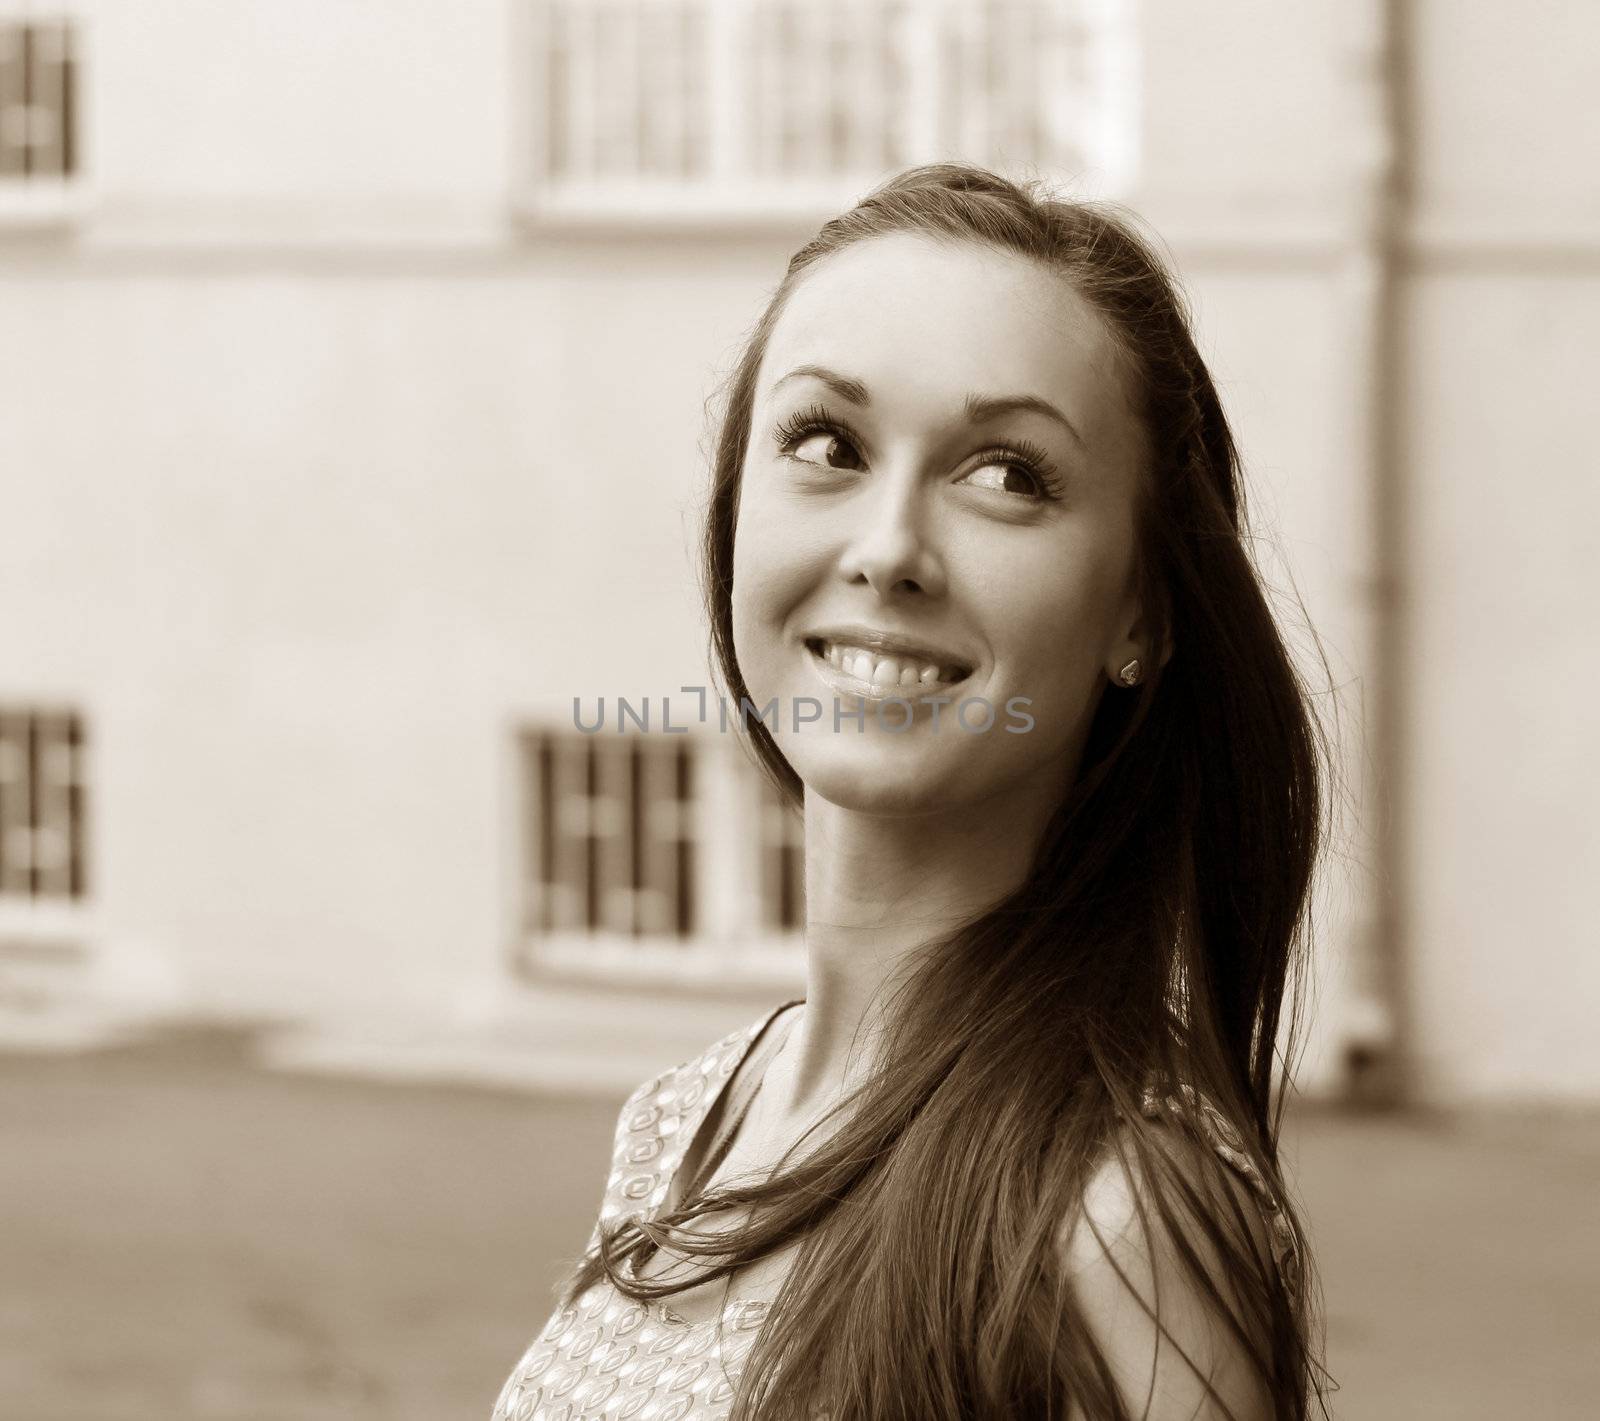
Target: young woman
(1015, 1152)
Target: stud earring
(1130, 674)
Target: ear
(1142, 641)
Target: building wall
(1502, 657)
(320, 473)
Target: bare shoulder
(1126, 1266)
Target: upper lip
(890, 644)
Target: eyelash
(1023, 453)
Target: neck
(877, 889)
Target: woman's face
(937, 505)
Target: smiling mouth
(885, 673)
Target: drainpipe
(1378, 1059)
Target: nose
(890, 547)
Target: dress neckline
(751, 1309)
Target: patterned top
(608, 1356)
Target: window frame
(45, 933)
(733, 947)
(1102, 115)
(52, 199)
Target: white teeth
(885, 670)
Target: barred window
(667, 851)
(689, 107)
(39, 77)
(783, 862)
(42, 805)
(611, 824)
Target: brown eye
(831, 444)
(827, 448)
(1018, 468)
(1005, 477)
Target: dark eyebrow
(979, 408)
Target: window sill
(42, 204)
(688, 965)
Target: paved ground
(186, 1237)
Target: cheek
(780, 549)
(765, 572)
(1056, 625)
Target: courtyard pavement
(186, 1236)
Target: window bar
(772, 887)
(571, 827)
(637, 838)
(686, 866)
(754, 791)
(661, 825)
(781, 835)
(45, 100)
(546, 120)
(540, 766)
(13, 100)
(52, 779)
(613, 839)
(766, 882)
(591, 839)
(77, 809)
(562, 102)
(27, 833)
(15, 813)
(730, 864)
(23, 114)
(68, 112)
(792, 909)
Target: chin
(893, 780)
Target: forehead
(920, 321)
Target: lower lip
(847, 685)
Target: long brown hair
(1152, 941)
